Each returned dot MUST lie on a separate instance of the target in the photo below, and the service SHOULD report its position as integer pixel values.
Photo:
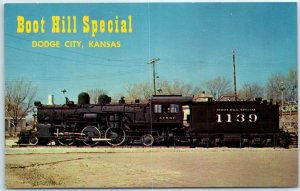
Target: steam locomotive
(163, 120)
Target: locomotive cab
(168, 109)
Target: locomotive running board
(67, 134)
(97, 139)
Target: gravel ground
(98, 167)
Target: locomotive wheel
(66, 141)
(147, 140)
(284, 142)
(33, 140)
(267, 143)
(116, 135)
(284, 139)
(217, 142)
(90, 132)
(246, 142)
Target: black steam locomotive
(163, 120)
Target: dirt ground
(98, 167)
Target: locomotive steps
(293, 136)
(294, 140)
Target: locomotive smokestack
(50, 99)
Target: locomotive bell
(50, 99)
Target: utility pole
(234, 75)
(282, 88)
(153, 61)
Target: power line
(69, 59)
(111, 75)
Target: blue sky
(194, 42)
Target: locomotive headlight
(37, 103)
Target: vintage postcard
(151, 95)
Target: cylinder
(90, 116)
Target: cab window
(157, 108)
(174, 108)
(166, 108)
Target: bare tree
(140, 91)
(177, 88)
(274, 86)
(218, 87)
(143, 91)
(94, 94)
(292, 85)
(251, 91)
(19, 97)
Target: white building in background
(9, 125)
(203, 97)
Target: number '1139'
(238, 118)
